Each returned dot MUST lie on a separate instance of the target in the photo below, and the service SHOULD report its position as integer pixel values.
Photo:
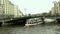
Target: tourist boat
(32, 22)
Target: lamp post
(25, 10)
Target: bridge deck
(27, 17)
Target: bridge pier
(58, 21)
(0, 23)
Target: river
(38, 29)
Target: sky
(34, 6)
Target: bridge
(22, 20)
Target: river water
(38, 29)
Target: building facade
(56, 8)
(17, 12)
(8, 9)
(52, 11)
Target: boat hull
(30, 24)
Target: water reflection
(39, 29)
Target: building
(52, 12)
(56, 8)
(2, 7)
(8, 9)
(17, 12)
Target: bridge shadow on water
(45, 24)
(19, 25)
(13, 25)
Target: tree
(44, 14)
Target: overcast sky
(34, 6)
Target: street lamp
(25, 10)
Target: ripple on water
(40, 29)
